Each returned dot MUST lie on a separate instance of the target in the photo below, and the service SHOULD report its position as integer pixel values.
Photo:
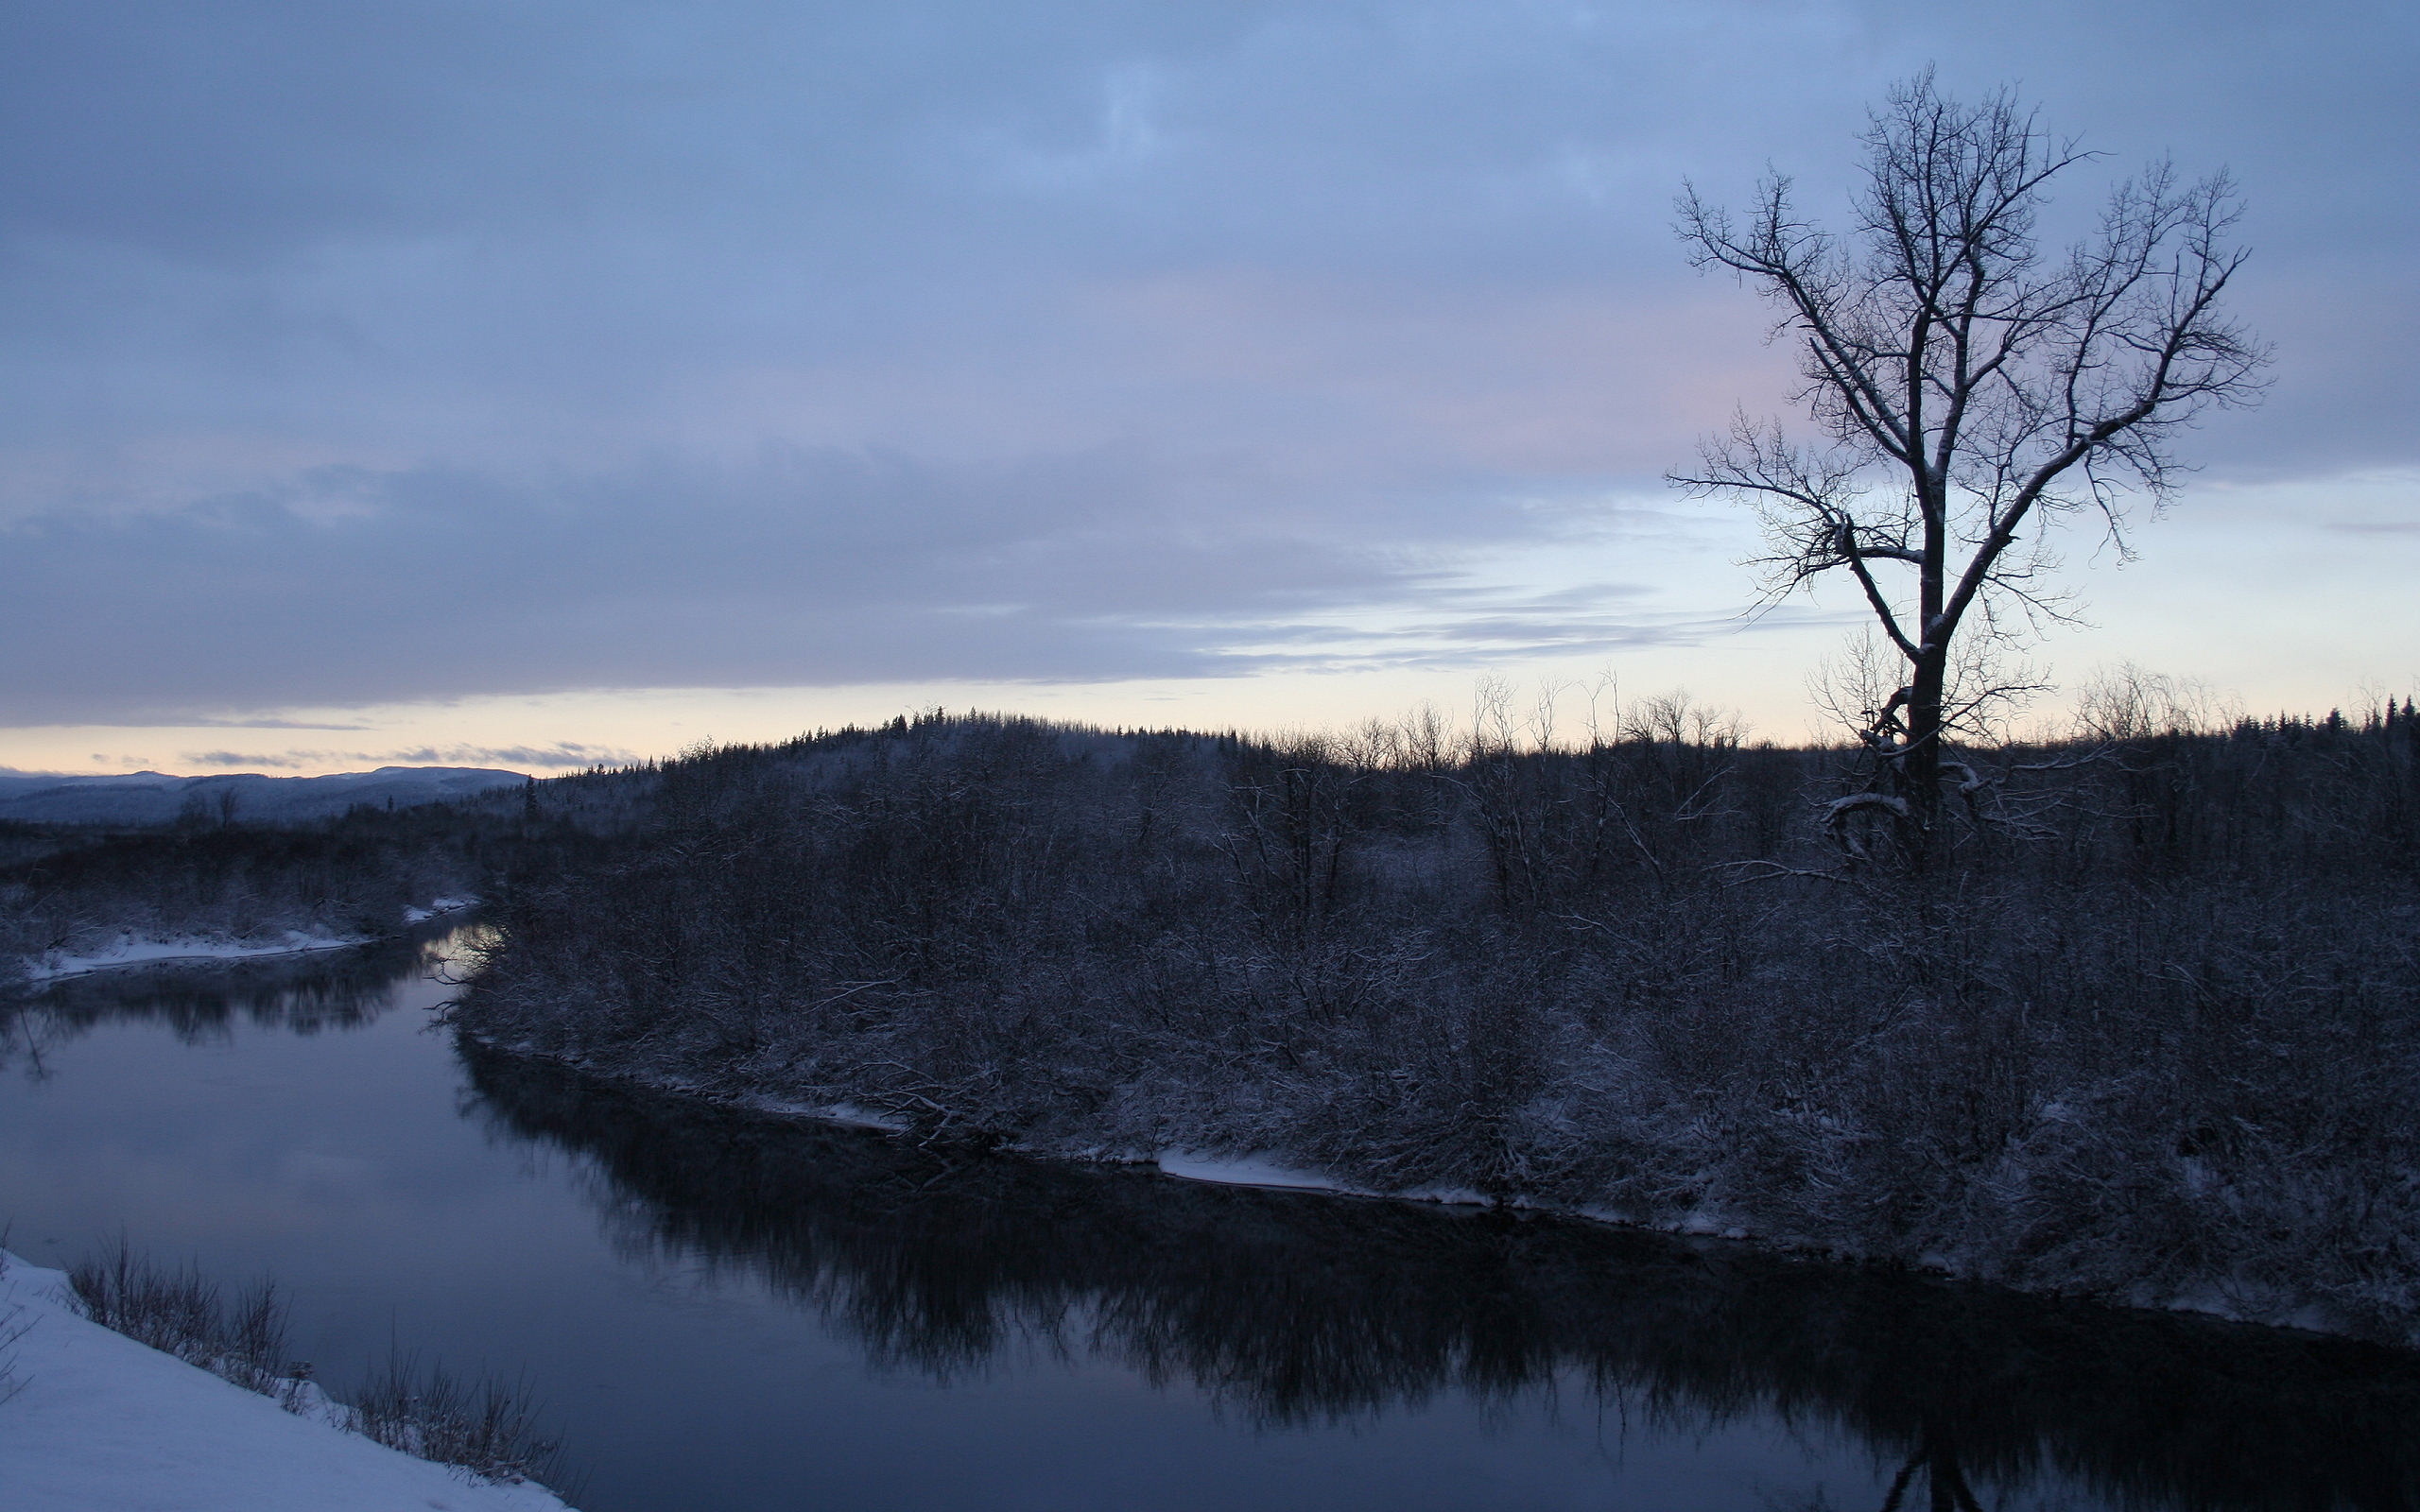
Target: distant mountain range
(156, 797)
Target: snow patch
(1269, 1170)
(102, 1422)
(851, 1114)
(1245, 1171)
(1459, 1198)
(437, 908)
(132, 950)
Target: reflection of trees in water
(201, 1002)
(1298, 1308)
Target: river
(742, 1314)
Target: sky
(541, 382)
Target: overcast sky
(520, 383)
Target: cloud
(797, 568)
(363, 354)
(559, 756)
(564, 754)
(235, 759)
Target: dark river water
(737, 1313)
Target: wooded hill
(2143, 1027)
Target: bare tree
(1970, 390)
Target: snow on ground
(1264, 1169)
(1243, 1171)
(131, 950)
(437, 908)
(100, 1423)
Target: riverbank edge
(116, 1423)
(38, 974)
(1276, 1171)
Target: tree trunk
(1920, 763)
(1920, 767)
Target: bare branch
(1972, 390)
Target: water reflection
(203, 1003)
(1295, 1309)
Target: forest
(2140, 1026)
(71, 890)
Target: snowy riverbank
(131, 949)
(1280, 1170)
(100, 1423)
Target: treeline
(72, 889)
(2142, 1027)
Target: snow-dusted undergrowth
(103, 1421)
(2164, 1052)
(487, 1428)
